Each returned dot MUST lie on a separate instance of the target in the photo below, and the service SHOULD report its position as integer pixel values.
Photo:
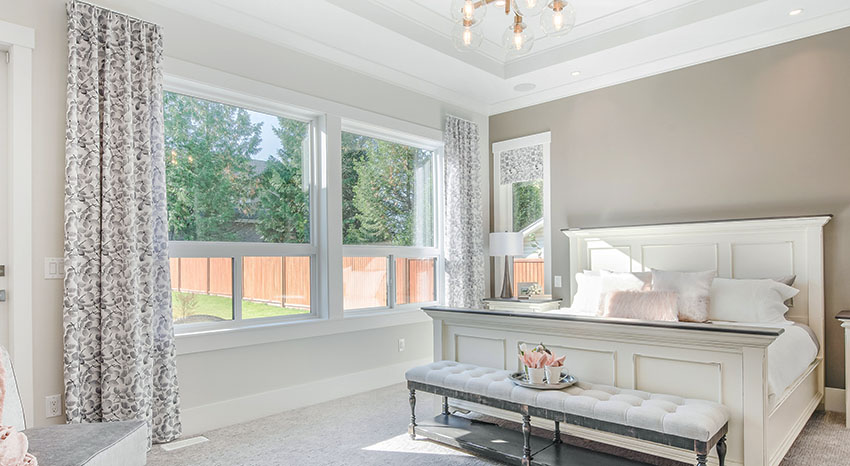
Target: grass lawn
(222, 307)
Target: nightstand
(527, 305)
(844, 318)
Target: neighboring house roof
(259, 166)
(531, 248)
(532, 227)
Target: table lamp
(506, 244)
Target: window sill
(199, 341)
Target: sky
(270, 143)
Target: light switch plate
(54, 268)
(558, 283)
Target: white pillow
(750, 300)
(694, 289)
(588, 289)
(623, 281)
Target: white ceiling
(408, 42)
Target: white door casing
(19, 42)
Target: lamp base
(507, 283)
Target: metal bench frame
(700, 448)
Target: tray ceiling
(408, 42)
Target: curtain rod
(116, 12)
(462, 119)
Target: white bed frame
(686, 359)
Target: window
(239, 191)
(389, 222)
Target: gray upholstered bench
(696, 425)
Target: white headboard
(759, 248)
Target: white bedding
(787, 357)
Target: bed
(771, 377)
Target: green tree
(387, 192)
(283, 196)
(210, 182)
(527, 203)
(353, 155)
(383, 194)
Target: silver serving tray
(521, 379)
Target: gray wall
(766, 133)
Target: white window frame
(503, 200)
(205, 82)
(411, 252)
(238, 250)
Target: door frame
(19, 42)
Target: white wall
(240, 383)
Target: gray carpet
(371, 429)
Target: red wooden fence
(272, 280)
(285, 281)
(527, 270)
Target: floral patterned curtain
(118, 334)
(523, 164)
(463, 225)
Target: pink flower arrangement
(539, 358)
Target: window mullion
(237, 288)
(391, 284)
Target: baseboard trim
(834, 400)
(211, 416)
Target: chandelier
(557, 18)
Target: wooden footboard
(727, 365)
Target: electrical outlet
(400, 345)
(558, 283)
(53, 405)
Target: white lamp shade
(506, 244)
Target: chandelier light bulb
(466, 37)
(517, 39)
(466, 12)
(529, 7)
(558, 18)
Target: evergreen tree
(283, 195)
(353, 155)
(527, 203)
(383, 195)
(210, 182)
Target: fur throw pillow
(643, 305)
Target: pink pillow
(642, 305)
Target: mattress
(788, 357)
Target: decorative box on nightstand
(527, 305)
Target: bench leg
(702, 460)
(445, 406)
(526, 440)
(721, 450)
(557, 438)
(411, 429)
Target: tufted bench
(696, 425)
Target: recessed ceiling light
(795, 12)
(525, 87)
(575, 73)
(499, 2)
